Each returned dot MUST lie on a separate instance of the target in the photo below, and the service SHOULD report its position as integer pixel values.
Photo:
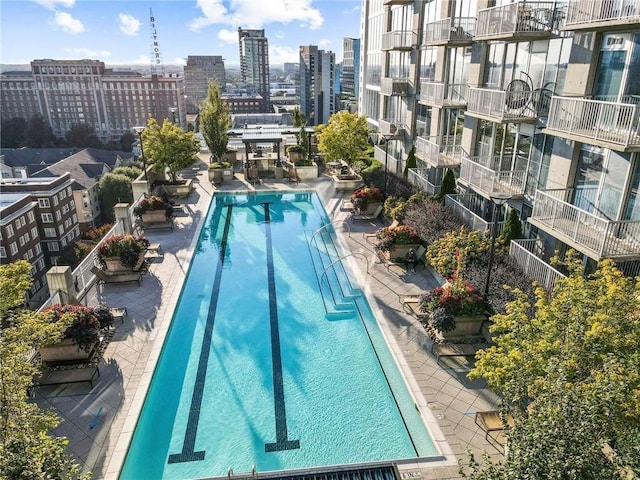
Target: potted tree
(397, 241)
(219, 170)
(84, 328)
(153, 209)
(295, 153)
(366, 200)
(122, 252)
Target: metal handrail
(353, 254)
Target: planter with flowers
(122, 253)
(366, 200)
(397, 241)
(84, 327)
(153, 209)
(219, 171)
(455, 309)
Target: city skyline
(120, 33)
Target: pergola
(273, 135)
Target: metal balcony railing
(397, 2)
(584, 13)
(500, 105)
(449, 30)
(418, 178)
(593, 121)
(438, 155)
(440, 94)
(590, 234)
(398, 40)
(519, 19)
(395, 86)
(468, 208)
(526, 254)
(388, 126)
(486, 180)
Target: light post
(139, 131)
(173, 111)
(387, 138)
(498, 199)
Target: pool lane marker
(282, 437)
(188, 453)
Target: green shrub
(447, 253)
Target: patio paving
(99, 423)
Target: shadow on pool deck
(99, 422)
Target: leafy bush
(430, 218)
(394, 208)
(365, 195)
(389, 237)
(96, 233)
(127, 247)
(152, 203)
(442, 320)
(84, 323)
(457, 298)
(446, 253)
(215, 165)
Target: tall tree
(82, 135)
(411, 161)
(300, 121)
(27, 449)
(169, 148)
(113, 188)
(214, 122)
(570, 375)
(39, 133)
(448, 185)
(345, 137)
(14, 133)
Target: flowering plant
(399, 235)
(153, 203)
(84, 324)
(127, 247)
(457, 297)
(362, 196)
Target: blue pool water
(272, 359)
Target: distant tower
(254, 63)
(156, 59)
(317, 94)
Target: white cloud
(228, 36)
(256, 14)
(67, 23)
(179, 61)
(89, 53)
(280, 34)
(279, 55)
(52, 4)
(129, 25)
(324, 43)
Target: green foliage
(456, 297)
(39, 133)
(82, 135)
(363, 196)
(411, 162)
(394, 208)
(81, 324)
(345, 137)
(14, 133)
(300, 121)
(113, 188)
(215, 122)
(218, 165)
(512, 229)
(169, 148)
(74, 253)
(448, 185)
(446, 253)
(151, 203)
(96, 233)
(126, 141)
(127, 247)
(131, 172)
(27, 450)
(569, 371)
(294, 149)
(389, 237)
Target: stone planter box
(347, 182)
(466, 327)
(182, 190)
(307, 173)
(215, 175)
(371, 208)
(154, 216)
(400, 251)
(294, 156)
(64, 351)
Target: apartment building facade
(317, 88)
(198, 72)
(254, 63)
(537, 100)
(70, 92)
(349, 84)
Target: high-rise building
(349, 83)
(536, 101)
(198, 72)
(317, 94)
(254, 62)
(71, 92)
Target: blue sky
(119, 33)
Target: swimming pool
(273, 359)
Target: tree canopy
(215, 122)
(168, 148)
(114, 188)
(569, 373)
(300, 121)
(345, 137)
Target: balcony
(469, 207)
(598, 15)
(418, 178)
(438, 155)
(443, 95)
(607, 124)
(485, 181)
(519, 21)
(395, 86)
(451, 31)
(392, 126)
(527, 255)
(505, 106)
(398, 40)
(397, 2)
(594, 236)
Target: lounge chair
(492, 424)
(364, 216)
(292, 175)
(368, 236)
(411, 304)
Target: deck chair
(253, 176)
(292, 175)
(369, 236)
(491, 423)
(373, 216)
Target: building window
(38, 249)
(34, 232)
(55, 201)
(31, 217)
(13, 248)
(53, 246)
(49, 232)
(58, 215)
(44, 202)
(3, 253)
(46, 217)
(9, 230)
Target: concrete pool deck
(99, 423)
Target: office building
(317, 94)
(349, 83)
(198, 72)
(254, 63)
(534, 100)
(71, 92)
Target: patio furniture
(166, 224)
(365, 216)
(292, 175)
(119, 276)
(118, 313)
(492, 424)
(411, 304)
